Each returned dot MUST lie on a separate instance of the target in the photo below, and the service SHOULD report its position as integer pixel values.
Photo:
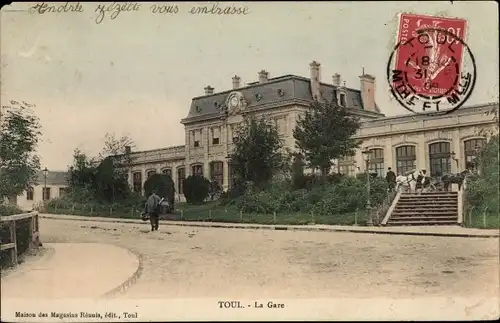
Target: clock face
(234, 101)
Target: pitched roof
(275, 90)
(53, 178)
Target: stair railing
(463, 205)
(381, 210)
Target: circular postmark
(434, 71)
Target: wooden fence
(34, 236)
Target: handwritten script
(114, 9)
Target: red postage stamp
(437, 76)
(427, 63)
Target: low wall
(18, 234)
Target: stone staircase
(432, 208)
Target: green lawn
(212, 212)
(478, 219)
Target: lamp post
(45, 173)
(366, 156)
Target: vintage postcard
(229, 161)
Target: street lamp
(45, 173)
(366, 156)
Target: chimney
(367, 87)
(209, 90)
(315, 79)
(336, 79)
(263, 75)
(236, 82)
(128, 149)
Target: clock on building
(235, 102)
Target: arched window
(406, 159)
(376, 162)
(347, 166)
(181, 175)
(150, 173)
(217, 172)
(167, 171)
(197, 169)
(440, 158)
(472, 148)
(137, 182)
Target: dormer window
(342, 99)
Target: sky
(135, 75)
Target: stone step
(422, 210)
(431, 193)
(424, 219)
(433, 204)
(423, 213)
(410, 215)
(422, 197)
(428, 201)
(428, 196)
(409, 223)
(425, 208)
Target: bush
(215, 190)
(342, 195)
(162, 184)
(482, 191)
(196, 189)
(8, 209)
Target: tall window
(347, 166)
(234, 132)
(472, 148)
(406, 159)
(232, 176)
(215, 135)
(30, 193)
(167, 171)
(197, 169)
(376, 162)
(46, 193)
(440, 158)
(150, 173)
(137, 182)
(197, 138)
(217, 172)
(181, 175)
(349, 170)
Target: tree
(298, 178)
(19, 136)
(103, 178)
(325, 133)
(258, 151)
(196, 189)
(163, 185)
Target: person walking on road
(153, 209)
(390, 177)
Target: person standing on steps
(153, 209)
(390, 177)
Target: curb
(285, 228)
(26, 259)
(130, 281)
